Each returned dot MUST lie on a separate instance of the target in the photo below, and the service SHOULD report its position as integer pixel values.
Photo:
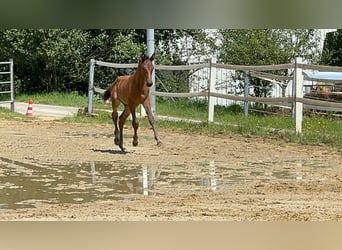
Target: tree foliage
(58, 59)
(48, 60)
(181, 47)
(332, 49)
(44, 60)
(267, 47)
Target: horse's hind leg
(116, 129)
(115, 115)
(147, 107)
(135, 124)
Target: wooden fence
(7, 81)
(296, 99)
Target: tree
(113, 45)
(266, 47)
(179, 47)
(332, 49)
(45, 59)
(48, 60)
(172, 47)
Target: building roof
(335, 77)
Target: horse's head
(147, 68)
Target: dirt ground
(313, 195)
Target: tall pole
(246, 93)
(212, 81)
(12, 84)
(150, 51)
(91, 86)
(298, 106)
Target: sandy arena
(274, 180)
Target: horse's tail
(107, 93)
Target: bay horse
(132, 90)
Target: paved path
(54, 111)
(43, 110)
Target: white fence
(296, 100)
(7, 82)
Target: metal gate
(7, 83)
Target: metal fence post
(91, 86)
(212, 80)
(150, 51)
(298, 94)
(12, 84)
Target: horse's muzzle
(149, 84)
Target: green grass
(182, 108)
(316, 130)
(7, 115)
(63, 99)
(227, 115)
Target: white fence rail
(297, 78)
(7, 82)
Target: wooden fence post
(298, 107)
(91, 86)
(212, 80)
(246, 92)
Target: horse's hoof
(122, 148)
(135, 143)
(159, 143)
(116, 142)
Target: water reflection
(212, 178)
(27, 185)
(132, 180)
(145, 180)
(299, 173)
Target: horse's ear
(143, 57)
(152, 57)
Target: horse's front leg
(147, 107)
(135, 125)
(122, 120)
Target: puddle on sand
(28, 185)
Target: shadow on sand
(110, 151)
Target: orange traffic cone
(29, 108)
